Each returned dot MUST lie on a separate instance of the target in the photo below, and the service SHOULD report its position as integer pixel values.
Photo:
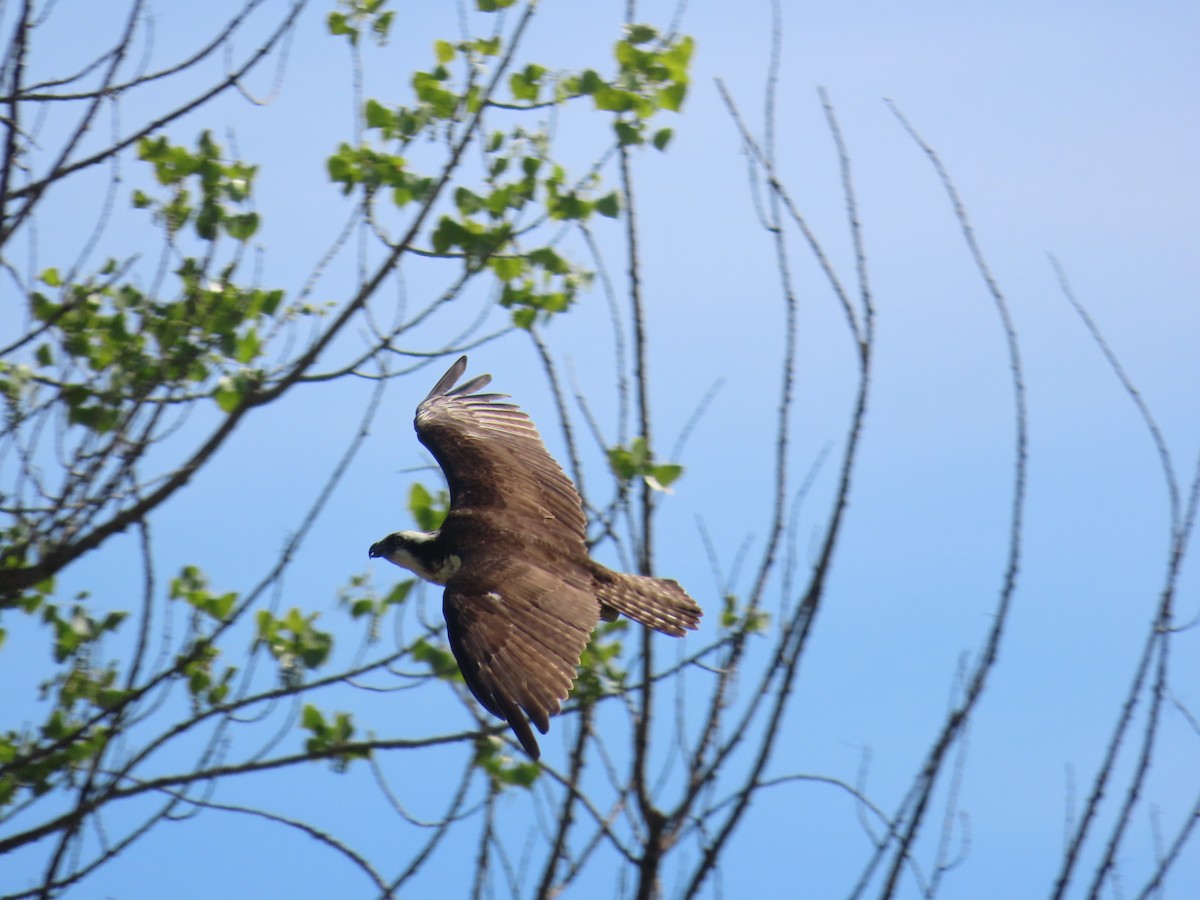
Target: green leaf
(315, 648)
(447, 234)
(569, 206)
(609, 205)
(338, 25)
(43, 308)
(487, 46)
(506, 268)
(742, 619)
(382, 25)
(311, 718)
(677, 57)
(50, 278)
(242, 227)
(524, 317)
(444, 51)
(206, 221)
(430, 89)
(521, 774)
(229, 393)
(661, 477)
(621, 463)
(248, 347)
(590, 82)
(100, 419)
(467, 201)
(526, 84)
(270, 301)
(398, 594)
(504, 197)
(220, 607)
(671, 97)
(501, 767)
(611, 99)
(341, 166)
(629, 134)
(294, 638)
(176, 213)
(521, 88)
(530, 166)
(378, 116)
(548, 259)
(641, 34)
(419, 499)
(729, 613)
(428, 510)
(661, 138)
(441, 661)
(636, 460)
(639, 453)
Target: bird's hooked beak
(376, 550)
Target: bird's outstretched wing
(517, 632)
(495, 462)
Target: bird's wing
(517, 632)
(495, 461)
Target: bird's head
(419, 552)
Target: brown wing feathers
(517, 633)
(658, 603)
(522, 606)
(494, 460)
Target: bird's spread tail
(657, 603)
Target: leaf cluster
(652, 75)
(353, 16)
(636, 461)
(329, 738)
(502, 769)
(81, 690)
(493, 224)
(115, 358)
(223, 187)
(294, 641)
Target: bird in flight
(522, 595)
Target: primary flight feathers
(522, 595)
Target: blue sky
(1070, 129)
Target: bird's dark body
(522, 595)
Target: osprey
(522, 595)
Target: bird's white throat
(438, 571)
